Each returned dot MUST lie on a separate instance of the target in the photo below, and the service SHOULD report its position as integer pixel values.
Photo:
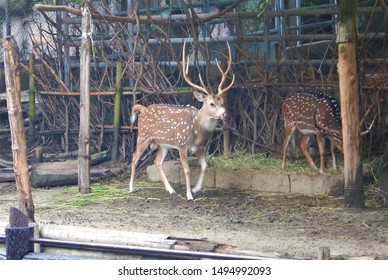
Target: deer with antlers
(184, 128)
(312, 113)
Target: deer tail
(136, 109)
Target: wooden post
(18, 235)
(117, 108)
(131, 30)
(31, 93)
(60, 40)
(348, 82)
(84, 129)
(18, 134)
(324, 253)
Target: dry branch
(161, 20)
(261, 82)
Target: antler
(224, 74)
(370, 127)
(185, 66)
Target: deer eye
(212, 105)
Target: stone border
(261, 181)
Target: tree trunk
(53, 174)
(347, 68)
(84, 129)
(18, 134)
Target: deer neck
(205, 123)
(204, 126)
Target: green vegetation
(69, 197)
(265, 162)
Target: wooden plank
(98, 235)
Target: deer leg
(321, 146)
(186, 170)
(303, 146)
(202, 161)
(135, 158)
(332, 148)
(160, 156)
(289, 132)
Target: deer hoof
(190, 197)
(171, 191)
(196, 189)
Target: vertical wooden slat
(84, 129)
(349, 93)
(18, 134)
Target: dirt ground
(279, 225)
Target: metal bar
(140, 251)
(143, 251)
(248, 39)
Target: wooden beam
(350, 109)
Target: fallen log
(7, 175)
(63, 172)
(6, 163)
(95, 158)
(50, 174)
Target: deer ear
(200, 96)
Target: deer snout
(224, 115)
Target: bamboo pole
(84, 130)
(31, 94)
(18, 134)
(117, 109)
(350, 109)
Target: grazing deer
(312, 113)
(184, 128)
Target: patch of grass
(265, 162)
(104, 194)
(373, 198)
(69, 197)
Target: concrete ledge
(261, 181)
(208, 181)
(270, 182)
(317, 184)
(229, 178)
(171, 169)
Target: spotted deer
(184, 128)
(312, 113)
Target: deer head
(184, 128)
(213, 104)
